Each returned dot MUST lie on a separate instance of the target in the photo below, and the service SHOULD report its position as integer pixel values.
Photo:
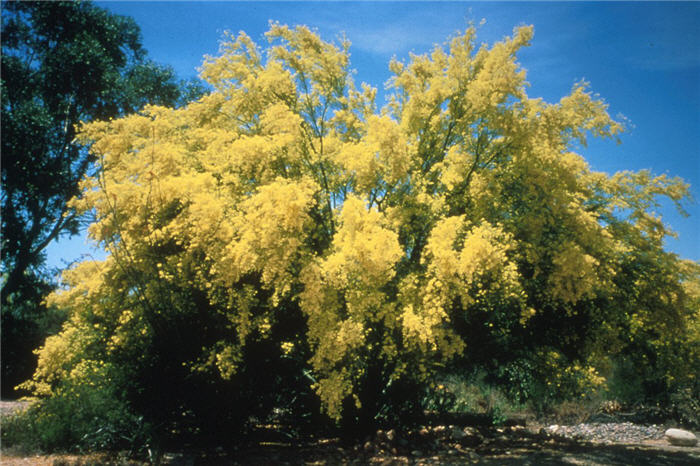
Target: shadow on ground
(622, 455)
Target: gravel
(8, 408)
(621, 432)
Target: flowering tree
(282, 221)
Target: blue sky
(643, 58)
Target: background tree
(62, 63)
(281, 239)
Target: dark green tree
(62, 63)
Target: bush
(79, 418)
(685, 407)
(255, 247)
(571, 412)
(472, 396)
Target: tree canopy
(62, 63)
(283, 228)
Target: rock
(472, 437)
(681, 438)
(474, 456)
(619, 432)
(439, 429)
(391, 435)
(517, 420)
(416, 453)
(556, 430)
(457, 434)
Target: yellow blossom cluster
(284, 191)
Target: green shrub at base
(78, 418)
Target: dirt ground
(8, 408)
(522, 448)
(540, 455)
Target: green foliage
(658, 345)
(571, 412)
(62, 63)
(626, 384)
(442, 400)
(685, 407)
(279, 241)
(473, 396)
(78, 418)
(24, 327)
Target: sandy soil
(10, 407)
(498, 449)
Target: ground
(437, 445)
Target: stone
(417, 453)
(439, 429)
(556, 430)
(472, 437)
(681, 438)
(471, 431)
(457, 434)
(391, 435)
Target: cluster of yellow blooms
(285, 184)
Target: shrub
(77, 419)
(685, 407)
(281, 232)
(472, 396)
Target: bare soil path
(8, 408)
(539, 455)
(509, 447)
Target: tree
(367, 251)
(62, 63)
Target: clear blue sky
(642, 58)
